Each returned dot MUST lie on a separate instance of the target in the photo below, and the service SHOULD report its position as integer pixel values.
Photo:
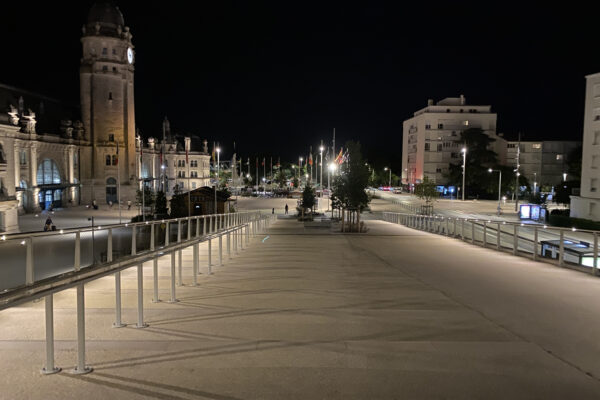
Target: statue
(13, 114)
(66, 128)
(28, 122)
(78, 131)
(205, 146)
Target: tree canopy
(353, 178)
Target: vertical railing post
(197, 226)
(189, 231)
(209, 256)
(454, 230)
(204, 225)
(109, 258)
(561, 249)
(195, 264)
(220, 249)
(228, 244)
(81, 368)
(173, 298)
(515, 239)
(29, 277)
(535, 242)
(155, 298)
(472, 231)
(167, 233)
(179, 256)
(462, 232)
(498, 238)
(140, 290)
(595, 271)
(484, 243)
(49, 368)
(77, 260)
(133, 239)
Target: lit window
(559, 157)
(537, 145)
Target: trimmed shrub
(568, 222)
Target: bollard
(140, 282)
(155, 298)
(77, 259)
(29, 260)
(133, 238)
(81, 368)
(50, 368)
(179, 253)
(173, 298)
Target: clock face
(130, 55)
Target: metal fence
(564, 246)
(38, 265)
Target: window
(110, 95)
(75, 159)
(22, 157)
(593, 185)
(193, 185)
(592, 208)
(440, 126)
(111, 137)
(115, 70)
(104, 51)
(439, 147)
(48, 173)
(536, 145)
(104, 68)
(511, 145)
(461, 110)
(595, 162)
(466, 123)
(426, 146)
(194, 164)
(114, 160)
(447, 110)
(559, 157)
(438, 170)
(427, 126)
(454, 155)
(596, 137)
(114, 52)
(107, 160)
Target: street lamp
(534, 183)
(390, 178)
(217, 181)
(464, 167)
(564, 176)
(499, 187)
(299, 166)
(321, 178)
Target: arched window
(107, 160)
(2, 158)
(48, 173)
(111, 182)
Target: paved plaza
(307, 313)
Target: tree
(562, 193)
(479, 158)
(295, 182)
(349, 186)
(308, 198)
(161, 203)
(427, 190)
(146, 199)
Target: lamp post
(464, 167)
(390, 176)
(499, 187)
(321, 178)
(299, 166)
(534, 183)
(217, 180)
(330, 171)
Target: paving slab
(393, 313)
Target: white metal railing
(565, 246)
(146, 240)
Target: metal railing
(567, 247)
(124, 246)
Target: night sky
(276, 77)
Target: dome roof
(105, 12)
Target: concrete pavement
(305, 314)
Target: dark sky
(279, 76)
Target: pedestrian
(48, 224)
(273, 212)
(286, 208)
(110, 203)
(129, 204)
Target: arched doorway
(111, 190)
(50, 183)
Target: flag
(117, 160)
(263, 162)
(310, 160)
(213, 152)
(278, 163)
(339, 156)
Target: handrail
(580, 254)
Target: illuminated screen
(535, 212)
(525, 212)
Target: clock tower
(107, 107)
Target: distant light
(489, 170)
(385, 169)
(545, 226)
(23, 243)
(463, 150)
(574, 229)
(3, 237)
(61, 231)
(162, 167)
(321, 148)
(218, 149)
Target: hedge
(568, 222)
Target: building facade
(430, 138)
(52, 155)
(587, 204)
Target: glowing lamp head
(463, 150)
(385, 169)
(489, 170)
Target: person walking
(129, 204)
(286, 208)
